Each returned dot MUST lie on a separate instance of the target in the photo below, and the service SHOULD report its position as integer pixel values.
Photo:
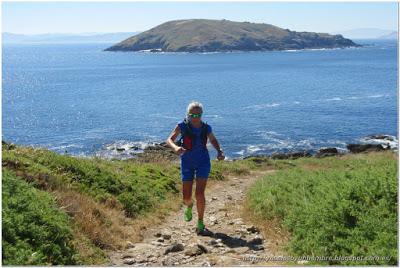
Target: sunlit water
(80, 99)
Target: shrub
(35, 231)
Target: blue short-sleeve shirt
(199, 155)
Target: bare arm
(215, 143)
(171, 138)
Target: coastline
(160, 151)
(152, 51)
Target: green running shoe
(200, 225)
(188, 214)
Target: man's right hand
(180, 150)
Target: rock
(206, 263)
(129, 261)
(158, 234)
(381, 137)
(359, 148)
(157, 152)
(241, 250)
(230, 250)
(214, 198)
(258, 247)
(186, 232)
(259, 159)
(120, 149)
(160, 239)
(203, 248)
(127, 256)
(323, 152)
(229, 197)
(213, 242)
(175, 247)
(196, 250)
(238, 221)
(7, 145)
(157, 243)
(216, 243)
(141, 247)
(141, 259)
(166, 236)
(149, 255)
(252, 229)
(293, 155)
(152, 259)
(213, 220)
(129, 244)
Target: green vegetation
(59, 209)
(137, 187)
(201, 35)
(334, 206)
(104, 202)
(35, 231)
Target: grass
(106, 202)
(35, 231)
(81, 208)
(333, 206)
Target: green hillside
(101, 203)
(59, 209)
(334, 206)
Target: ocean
(81, 100)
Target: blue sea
(81, 100)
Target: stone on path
(175, 247)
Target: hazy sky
(79, 17)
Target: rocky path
(231, 242)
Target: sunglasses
(195, 115)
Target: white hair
(194, 104)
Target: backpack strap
(203, 133)
(204, 129)
(187, 130)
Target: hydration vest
(187, 136)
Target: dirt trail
(232, 240)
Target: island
(203, 35)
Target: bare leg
(187, 193)
(200, 198)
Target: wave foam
(334, 99)
(261, 106)
(159, 115)
(389, 140)
(122, 149)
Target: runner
(195, 159)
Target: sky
(106, 17)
